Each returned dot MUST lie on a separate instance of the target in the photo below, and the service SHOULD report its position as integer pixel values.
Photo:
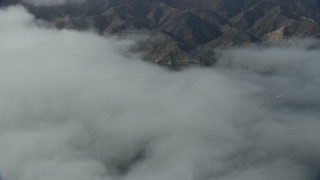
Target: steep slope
(188, 25)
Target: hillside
(188, 29)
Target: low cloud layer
(78, 106)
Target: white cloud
(75, 105)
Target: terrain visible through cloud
(79, 106)
(52, 2)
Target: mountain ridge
(187, 26)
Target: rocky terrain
(185, 32)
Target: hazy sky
(78, 106)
